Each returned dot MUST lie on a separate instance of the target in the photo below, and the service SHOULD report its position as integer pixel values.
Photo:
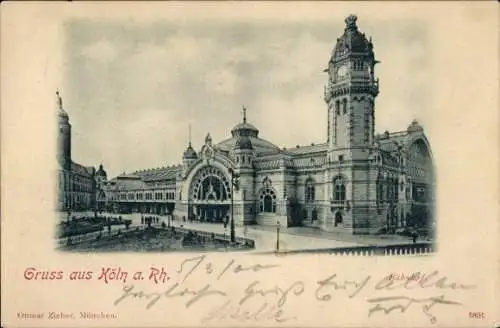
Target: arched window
(337, 107)
(267, 201)
(344, 106)
(210, 184)
(310, 191)
(339, 189)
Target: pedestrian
(414, 235)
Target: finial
(244, 114)
(189, 134)
(350, 22)
(59, 100)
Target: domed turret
(415, 127)
(352, 41)
(245, 129)
(101, 173)
(190, 153)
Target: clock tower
(350, 94)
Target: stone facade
(356, 181)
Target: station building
(356, 181)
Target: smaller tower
(190, 155)
(63, 136)
(243, 148)
(243, 152)
(100, 177)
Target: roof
(313, 148)
(259, 145)
(352, 41)
(163, 173)
(128, 184)
(190, 153)
(273, 162)
(82, 170)
(391, 141)
(101, 171)
(244, 143)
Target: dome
(101, 172)
(244, 129)
(190, 153)
(352, 41)
(258, 144)
(246, 136)
(415, 127)
(243, 143)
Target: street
(297, 238)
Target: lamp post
(278, 236)
(234, 184)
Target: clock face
(342, 71)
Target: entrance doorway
(210, 195)
(338, 218)
(215, 213)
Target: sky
(133, 89)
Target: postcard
(250, 164)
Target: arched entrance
(421, 190)
(314, 215)
(338, 219)
(210, 195)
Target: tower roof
(352, 41)
(190, 153)
(415, 127)
(101, 172)
(244, 128)
(61, 112)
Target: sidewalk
(368, 240)
(266, 240)
(295, 238)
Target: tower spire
(189, 134)
(244, 114)
(59, 100)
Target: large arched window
(339, 189)
(420, 171)
(210, 184)
(267, 201)
(310, 191)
